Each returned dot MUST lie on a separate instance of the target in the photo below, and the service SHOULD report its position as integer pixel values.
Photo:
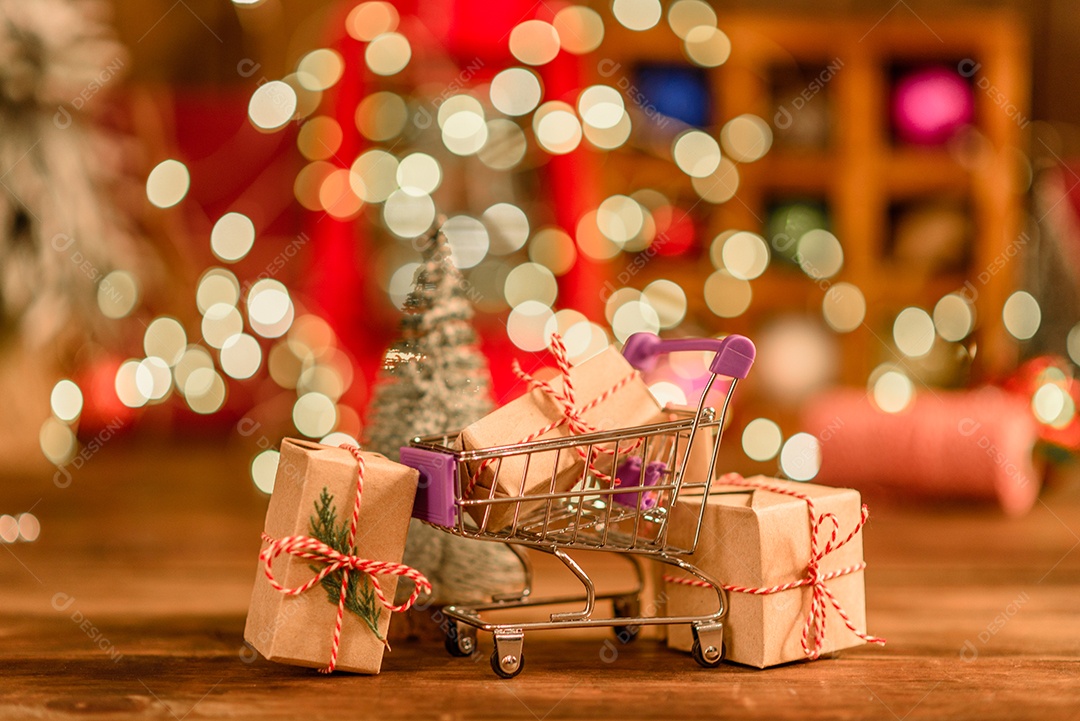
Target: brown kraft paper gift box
(298, 630)
(757, 538)
(631, 405)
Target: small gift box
(339, 517)
(789, 555)
(607, 393)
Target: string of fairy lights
(503, 124)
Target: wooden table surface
(132, 603)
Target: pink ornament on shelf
(930, 105)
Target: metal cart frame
(598, 513)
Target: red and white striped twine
(815, 619)
(313, 549)
(571, 415)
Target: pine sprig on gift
(360, 596)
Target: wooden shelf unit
(862, 172)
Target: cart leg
(507, 660)
(708, 647)
(590, 590)
(627, 607)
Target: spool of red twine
(947, 446)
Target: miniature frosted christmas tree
(435, 379)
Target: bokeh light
(800, 457)
(534, 42)
(667, 393)
(381, 116)
(408, 215)
(66, 400)
(668, 299)
(634, 317)
(153, 378)
(388, 53)
(468, 240)
(556, 127)
(820, 254)
(57, 441)
(580, 29)
(205, 391)
(746, 138)
(165, 338)
(745, 255)
(913, 332)
(29, 527)
(761, 439)
(270, 309)
(707, 46)
(232, 237)
(954, 318)
(637, 14)
(1022, 315)
(685, 15)
(531, 282)
(719, 186)
(508, 227)
(127, 389)
(601, 106)
(264, 468)
(419, 173)
(891, 389)
(505, 145)
(515, 91)
(554, 249)
(272, 105)
(374, 175)
(726, 295)
(620, 218)
(526, 325)
(696, 153)
(314, 414)
(117, 294)
(368, 20)
(319, 138)
(168, 183)
(844, 307)
(216, 285)
(221, 322)
(320, 69)
(241, 356)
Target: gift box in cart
(620, 499)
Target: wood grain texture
(132, 605)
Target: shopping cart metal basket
(621, 502)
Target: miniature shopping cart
(622, 502)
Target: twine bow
(313, 549)
(815, 579)
(570, 414)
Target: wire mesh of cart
(620, 501)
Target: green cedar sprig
(360, 596)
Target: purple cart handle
(734, 354)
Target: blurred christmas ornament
(930, 105)
(434, 380)
(60, 236)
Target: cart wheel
(459, 642)
(627, 607)
(708, 658)
(508, 666)
(626, 634)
